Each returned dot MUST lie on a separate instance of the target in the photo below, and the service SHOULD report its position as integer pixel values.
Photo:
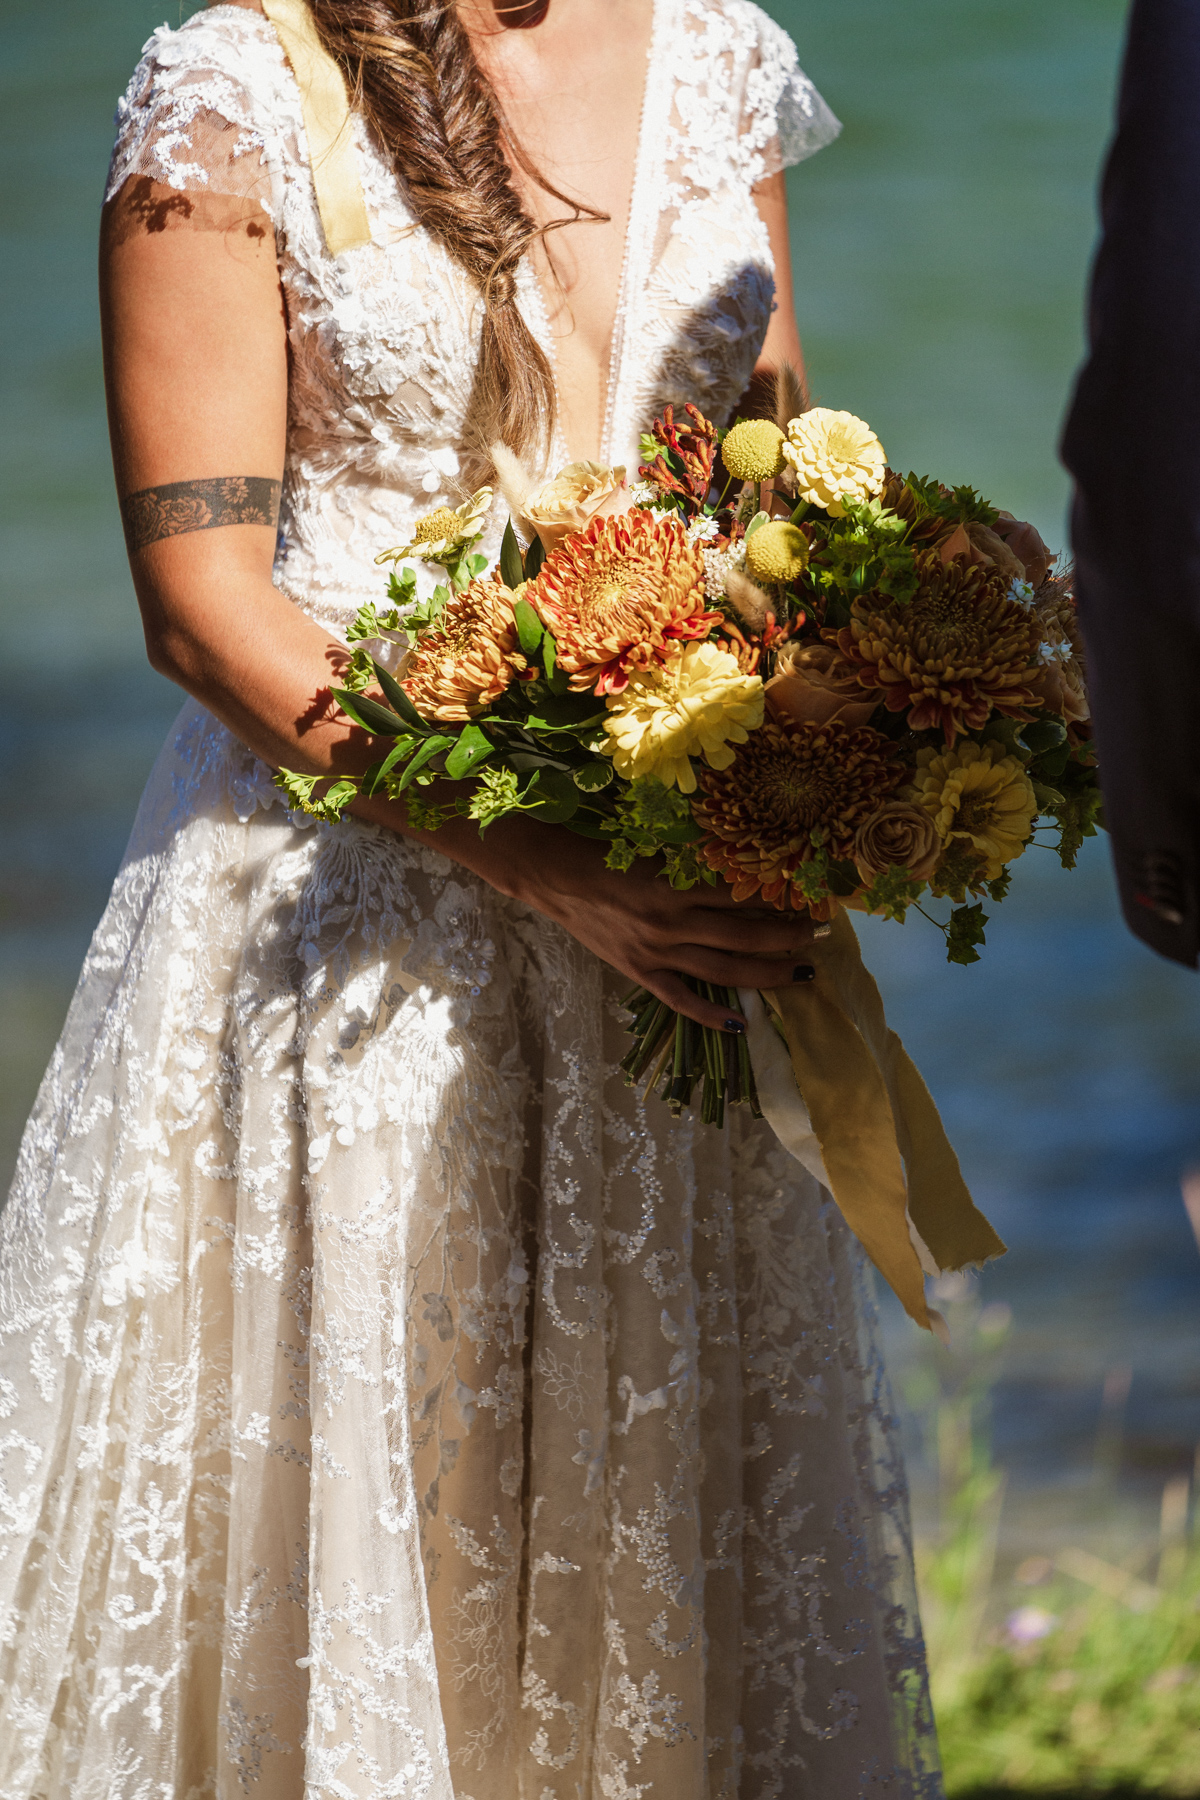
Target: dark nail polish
(803, 972)
(735, 1025)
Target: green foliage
(960, 505)
(473, 747)
(892, 893)
(424, 614)
(301, 795)
(512, 569)
(424, 815)
(498, 792)
(370, 623)
(1077, 807)
(1108, 1700)
(964, 932)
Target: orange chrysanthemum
(462, 666)
(619, 596)
(957, 652)
(792, 789)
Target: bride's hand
(636, 922)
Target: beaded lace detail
(392, 1405)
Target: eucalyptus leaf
(380, 721)
(535, 556)
(551, 797)
(593, 776)
(530, 629)
(398, 699)
(511, 572)
(473, 747)
(428, 750)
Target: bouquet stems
(672, 1053)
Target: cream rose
(899, 835)
(574, 497)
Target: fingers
(679, 997)
(781, 935)
(740, 971)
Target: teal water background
(941, 249)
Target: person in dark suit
(1132, 443)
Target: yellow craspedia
(834, 454)
(697, 703)
(776, 552)
(753, 450)
(979, 799)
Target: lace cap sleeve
(205, 111)
(784, 119)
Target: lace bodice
(383, 338)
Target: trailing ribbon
(853, 1109)
(327, 115)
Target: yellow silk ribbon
(882, 1145)
(327, 125)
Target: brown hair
(412, 71)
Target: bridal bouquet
(773, 662)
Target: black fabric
(1132, 442)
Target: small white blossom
(717, 564)
(701, 530)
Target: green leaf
(399, 700)
(1043, 734)
(549, 653)
(380, 721)
(511, 572)
(530, 629)
(551, 797)
(473, 747)
(535, 556)
(757, 522)
(593, 776)
(301, 797)
(560, 712)
(376, 777)
(964, 932)
(428, 750)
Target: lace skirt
(394, 1405)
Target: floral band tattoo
(179, 506)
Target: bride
(394, 1404)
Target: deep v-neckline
(633, 260)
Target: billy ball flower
(834, 454)
(697, 703)
(777, 552)
(620, 595)
(794, 787)
(753, 450)
(463, 666)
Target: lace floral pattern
(392, 1405)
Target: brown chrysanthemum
(955, 653)
(461, 666)
(794, 788)
(619, 595)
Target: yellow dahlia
(753, 450)
(620, 595)
(791, 789)
(834, 454)
(463, 665)
(777, 552)
(959, 650)
(980, 800)
(446, 531)
(697, 703)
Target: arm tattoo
(162, 512)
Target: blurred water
(940, 248)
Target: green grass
(1085, 1681)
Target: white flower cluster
(717, 565)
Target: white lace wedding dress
(393, 1403)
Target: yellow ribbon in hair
(854, 1110)
(326, 108)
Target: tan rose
(981, 546)
(1059, 687)
(803, 689)
(899, 835)
(568, 503)
(1027, 546)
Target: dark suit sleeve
(1132, 442)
